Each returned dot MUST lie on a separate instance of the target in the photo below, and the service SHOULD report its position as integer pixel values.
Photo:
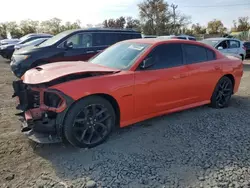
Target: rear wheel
(222, 93)
(89, 122)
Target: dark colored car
(9, 41)
(7, 50)
(71, 45)
(247, 46)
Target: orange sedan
(131, 81)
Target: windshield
(210, 42)
(120, 56)
(24, 37)
(35, 42)
(55, 38)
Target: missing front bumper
(38, 137)
(39, 122)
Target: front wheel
(222, 93)
(89, 122)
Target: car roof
(154, 41)
(185, 36)
(221, 39)
(104, 29)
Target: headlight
(20, 57)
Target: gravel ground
(201, 147)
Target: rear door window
(191, 38)
(183, 38)
(194, 53)
(247, 45)
(210, 55)
(234, 44)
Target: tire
(222, 93)
(82, 124)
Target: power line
(216, 6)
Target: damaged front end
(43, 110)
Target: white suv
(228, 46)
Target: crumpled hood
(52, 71)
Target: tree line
(156, 17)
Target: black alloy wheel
(91, 122)
(222, 94)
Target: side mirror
(68, 45)
(147, 63)
(220, 48)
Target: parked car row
(130, 81)
(8, 46)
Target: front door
(223, 46)
(162, 86)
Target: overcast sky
(95, 11)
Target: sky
(95, 11)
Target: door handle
(99, 50)
(180, 76)
(183, 75)
(217, 68)
(88, 52)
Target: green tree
(69, 25)
(29, 26)
(216, 27)
(14, 29)
(132, 23)
(154, 16)
(3, 30)
(243, 24)
(115, 23)
(52, 26)
(198, 29)
(110, 23)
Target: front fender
(119, 86)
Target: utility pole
(174, 8)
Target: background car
(131, 81)
(7, 50)
(71, 45)
(9, 41)
(231, 46)
(247, 46)
(184, 37)
(149, 36)
(31, 43)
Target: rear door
(203, 71)
(234, 47)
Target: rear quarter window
(210, 55)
